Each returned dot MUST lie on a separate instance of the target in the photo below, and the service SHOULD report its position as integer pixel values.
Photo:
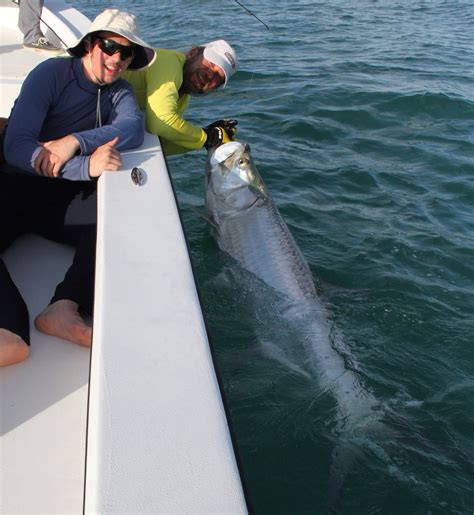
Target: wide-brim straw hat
(121, 23)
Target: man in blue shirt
(69, 123)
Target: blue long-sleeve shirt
(56, 100)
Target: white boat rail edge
(157, 433)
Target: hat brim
(144, 54)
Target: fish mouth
(239, 212)
(256, 192)
(257, 202)
(259, 199)
(225, 197)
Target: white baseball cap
(124, 24)
(221, 53)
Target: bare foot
(13, 349)
(62, 319)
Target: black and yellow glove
(220, 132)
(228, 125)
(216, 136)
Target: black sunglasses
(110, 47)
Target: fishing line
(252, 14)
(263, 23)
(250, 83)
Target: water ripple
(359, 115)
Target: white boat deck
(43, 400)
(153, 437)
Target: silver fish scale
(261, 242)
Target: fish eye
(243, 161)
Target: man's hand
(105, 157)
(228, 125)
(218, 134)
(55, 154)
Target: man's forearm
(130, 134)
(76, 169)
(172, 127)
(125, 123)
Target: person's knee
(13, 349)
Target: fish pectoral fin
(212, 223)
(201, 211)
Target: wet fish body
(249, 227)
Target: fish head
(232, 178)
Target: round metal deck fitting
(138, 176)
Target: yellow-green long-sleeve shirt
(157, 92)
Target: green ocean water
(360, 116)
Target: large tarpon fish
(247, 224)
(249, 227)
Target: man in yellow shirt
(163, 90)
